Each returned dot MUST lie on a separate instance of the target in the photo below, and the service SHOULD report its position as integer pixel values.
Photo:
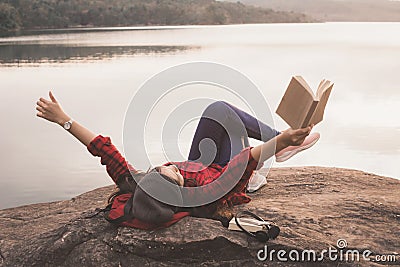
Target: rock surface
(313, 206)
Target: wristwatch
(68, 125)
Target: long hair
(222, 212)
(127, 184)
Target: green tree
(29, 14)
(9, 18)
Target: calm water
(94, 74)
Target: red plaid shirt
(194, 173)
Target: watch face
(67, 125)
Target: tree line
(33, 14)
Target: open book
(299, 106)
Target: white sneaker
(256, 182)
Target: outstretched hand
(287, 138)
(295, 137)
(51, 110)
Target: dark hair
(127, 183)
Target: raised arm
(97, 145)
(52, 111)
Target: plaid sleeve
(116, 164)
(234, 175)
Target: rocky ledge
(314, 207)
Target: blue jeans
(223, 132)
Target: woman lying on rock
(218, 180)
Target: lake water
(95, 74)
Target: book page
(319, 88)
(303, 82)
(324, 85)
(310, 114)
(319, 111)
(296, 103)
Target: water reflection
(372, 140)
(12, 54)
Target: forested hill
(336, 10)
(29, 14)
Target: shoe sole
(290, 154)
(254, 190)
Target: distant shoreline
(34, 31)
(78, 29)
